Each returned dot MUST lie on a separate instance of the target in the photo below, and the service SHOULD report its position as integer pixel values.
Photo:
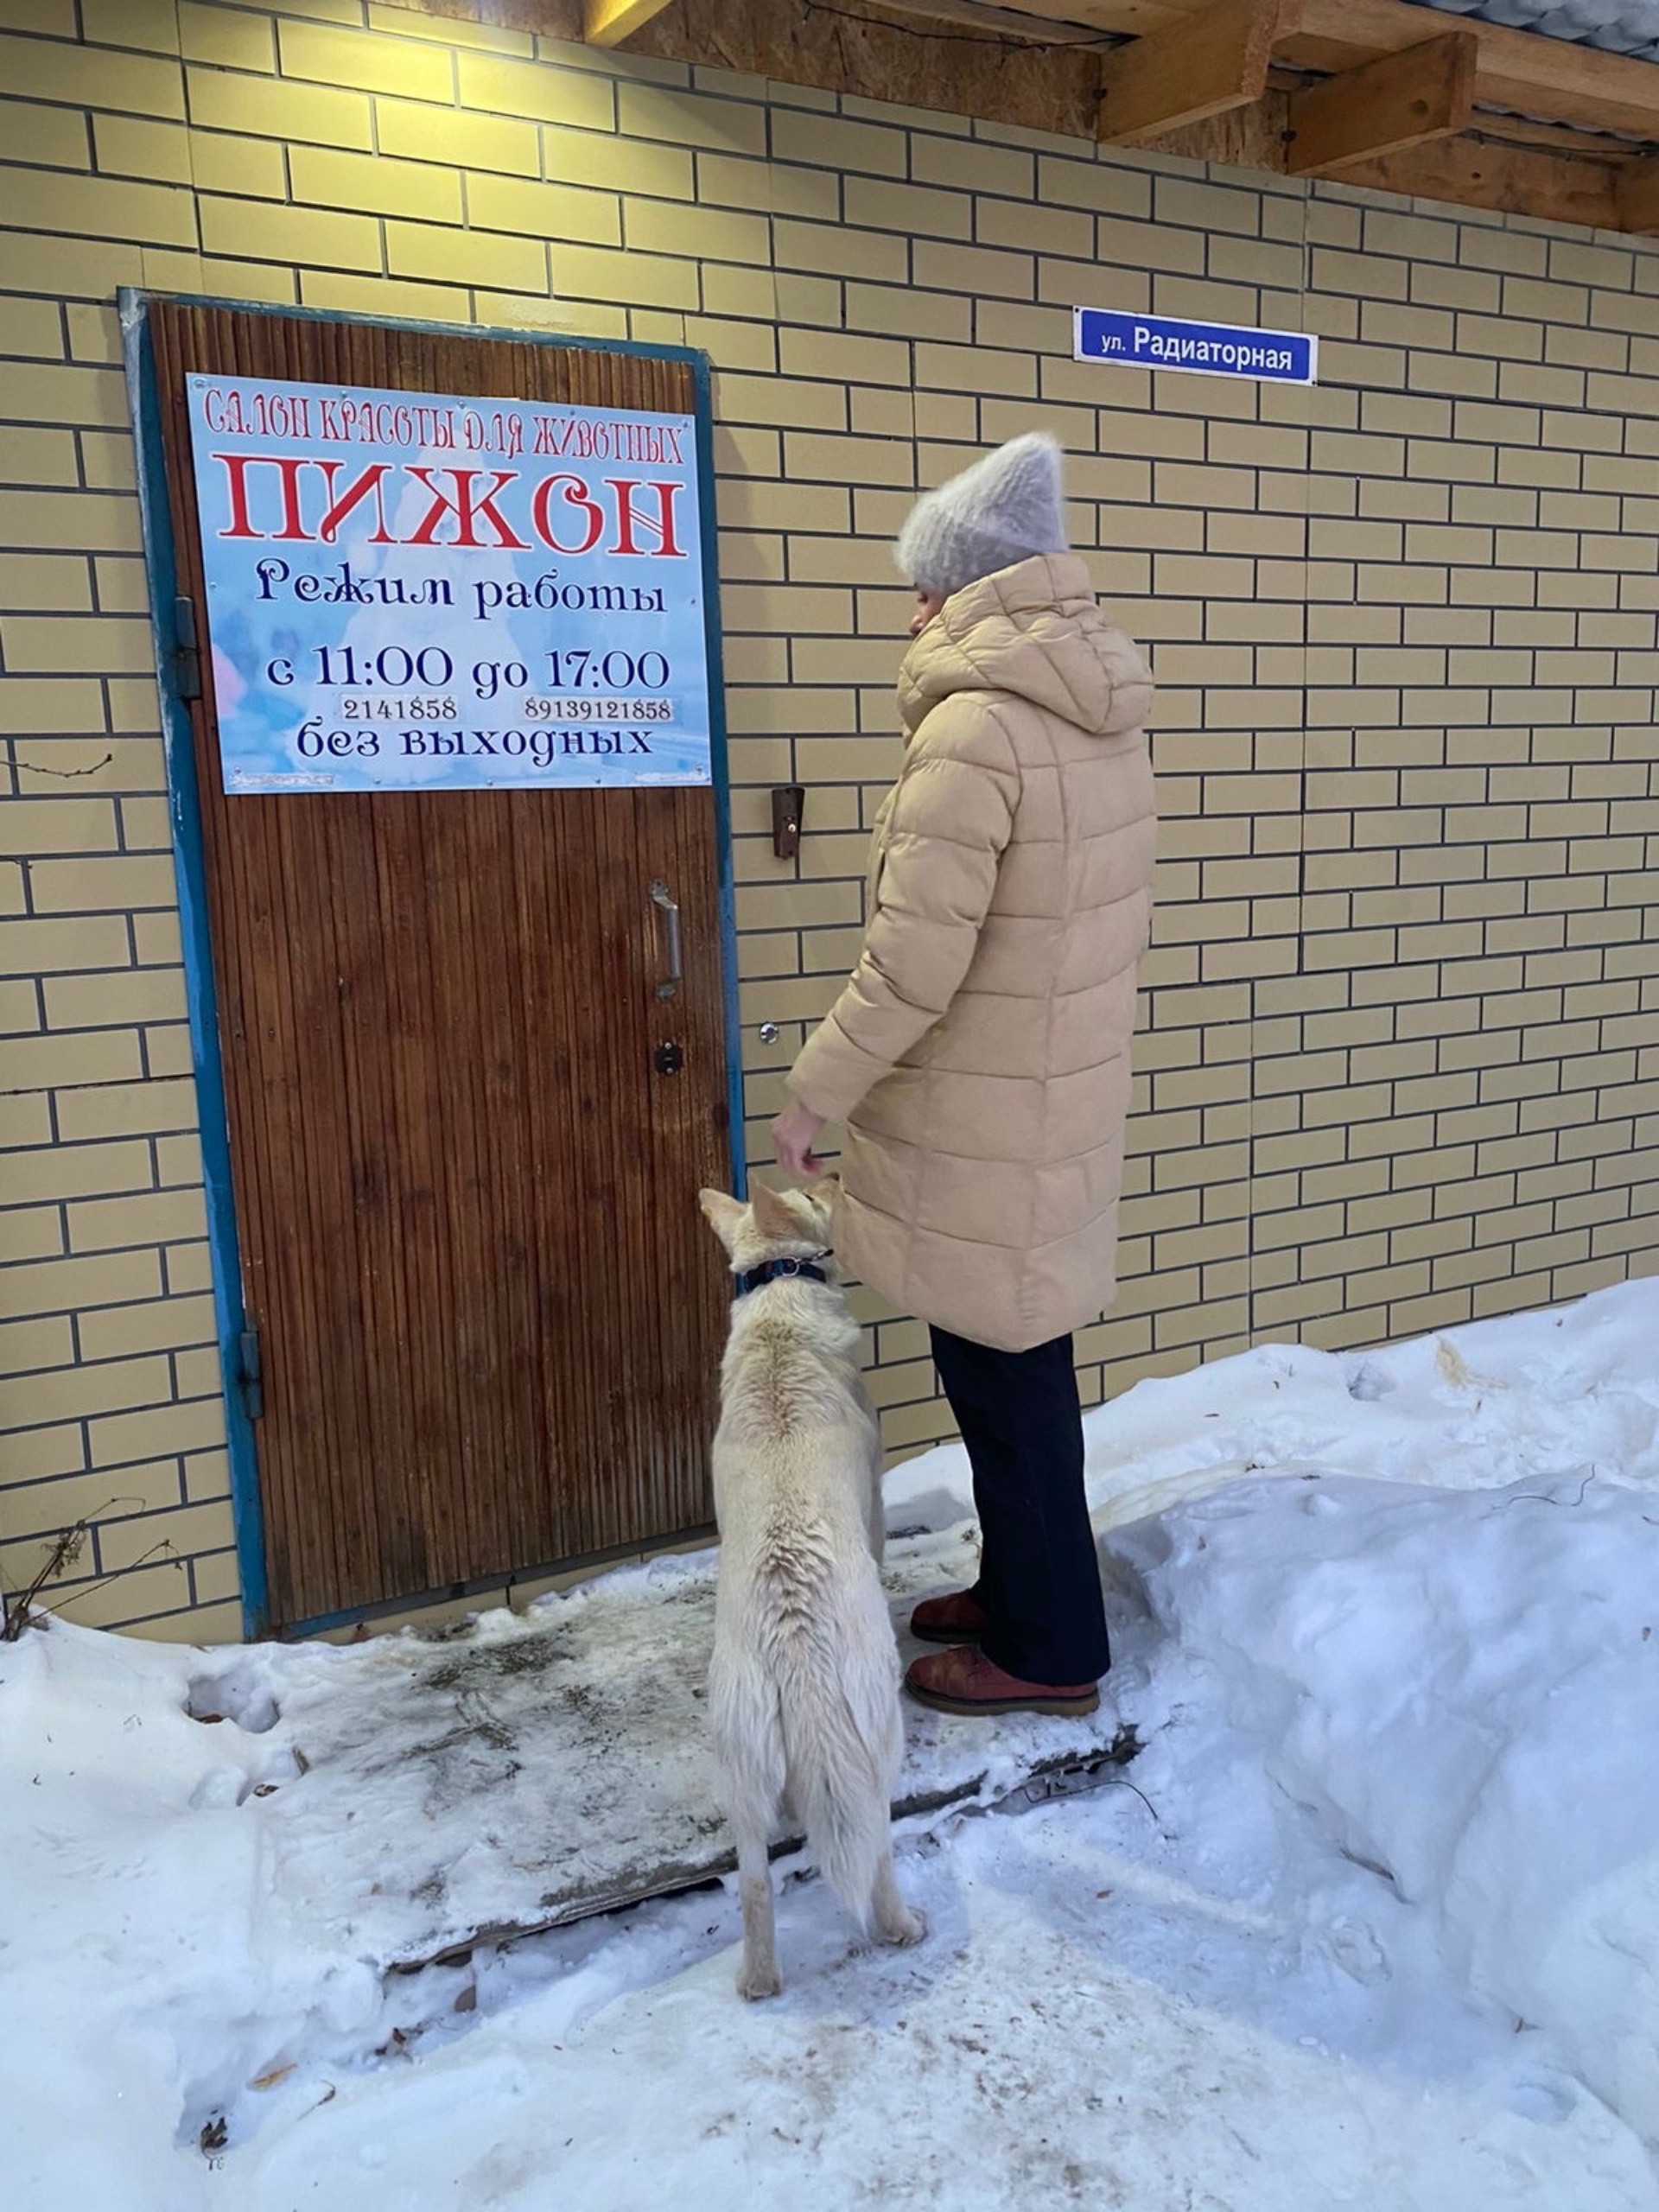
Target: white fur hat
(1004, 509)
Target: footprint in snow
(1353, 1945)
(1550, 2103)
(1368, 1382)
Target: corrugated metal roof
(1616, 26)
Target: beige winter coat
(980, 1053)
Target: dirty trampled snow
(542, 1766)
(1372, 1921)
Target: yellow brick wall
(1402, 1028)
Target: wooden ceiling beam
(1637, 196)
(1460, 172)
(1138, 18)
(998, 21)
(1055, 88)
(1386, 106)
(873, 52)
(1214, 61)
(1131, 18)
(1520, 180)
(609, 22)
(1548, 79)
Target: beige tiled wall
(1402, 1032)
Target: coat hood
(1036, 632)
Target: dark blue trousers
(1038, 1577)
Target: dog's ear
(723, 1214)
(825, 1193)
(775, 1218)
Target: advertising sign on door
(411, 591)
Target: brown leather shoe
(958, 1619)
(964, 1681)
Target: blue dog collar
(755, 1279)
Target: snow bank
(146, 1972)
(1534, 1393)
(1462, 1692)
(1385, 1891)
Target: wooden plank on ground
(1384, 106)
(537, 1771)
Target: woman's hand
(794, 1134)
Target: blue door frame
(185, 813)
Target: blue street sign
(1205, 349)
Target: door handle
(668, 988)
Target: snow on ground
(1377, 1923)
(1537, 1394)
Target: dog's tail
(843, 1739)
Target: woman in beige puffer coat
(979, 1056)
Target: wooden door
(465, 1188)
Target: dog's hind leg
(748, 1740)
(758, 1976)
(894, 1920)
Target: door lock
(788, 813)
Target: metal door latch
(186, 651)
(251, 1378)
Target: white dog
(803, 1688)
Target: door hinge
(186, 653)
(251, 1377)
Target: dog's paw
(761, 1983)
(910, 1928)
